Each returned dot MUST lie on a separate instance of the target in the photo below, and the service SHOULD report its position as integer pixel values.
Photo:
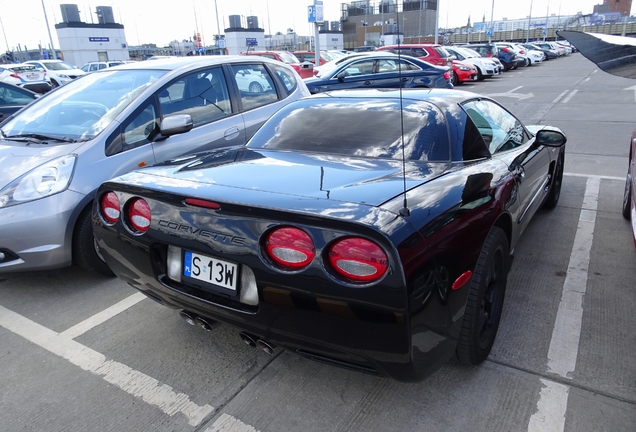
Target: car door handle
(405, 79)
(367, 83)
(231, 133)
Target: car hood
(18, 158)
(286, 177)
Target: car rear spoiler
(613, 54)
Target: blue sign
(489, 32)
(311, 10)
(98, 39)
(251, 42)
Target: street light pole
(529, 21)
(46, 20)
(492, 17)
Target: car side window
(361, 67)
(140, 128)
(255, 84)
(286, 77)
(202, 94)
(386, 65)
(10, 96)
(500, 130)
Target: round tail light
(138, 215)
(289, 247)
(109, 207)
(358, 259)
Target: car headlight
(464, 68)
(47, 179)
(63, 76)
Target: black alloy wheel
(627, 196)
(555, 183)
(485, 300)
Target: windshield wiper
(32, 137)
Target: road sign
(489, 32)
(251, 42)
(315, 12)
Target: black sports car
(359, 228)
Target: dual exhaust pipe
(250, 340)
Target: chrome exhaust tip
(203, 323)
(266, 346)
(248, 339)
(189, 317)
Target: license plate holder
(211, 273)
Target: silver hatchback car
(58, 150)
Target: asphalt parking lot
(79, 352)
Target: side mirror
(550, 137)
(176, 124)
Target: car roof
(174, 63)
(441, 97)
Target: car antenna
(404, 211)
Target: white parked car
(28, 76)
(530, 57)
(58, 71)
(485, 66)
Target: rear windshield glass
(358, 127)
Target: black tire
(454, 79)
(485, 300)
(555, 183)
(627, 195)
(256, 87)
(54, 83)
(480, 76)
(85, 250)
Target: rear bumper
(362, 336)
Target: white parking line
(227, 423)
(564, 344)
(552, 405)
(594, 176)
(570, 96)
(558, 98)
(103, 316)
(131, 381)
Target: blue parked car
(381, 71)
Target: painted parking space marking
(564, 344)
(103, 316)
(558, 98)
(570, 96)
(129, 380)
(227, 423)
(551, 408)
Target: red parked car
(463, 72)
(305, 70)
(432, 53)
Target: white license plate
(211, 270)
(33, 76)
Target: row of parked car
(474, 62)
(116, 119)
